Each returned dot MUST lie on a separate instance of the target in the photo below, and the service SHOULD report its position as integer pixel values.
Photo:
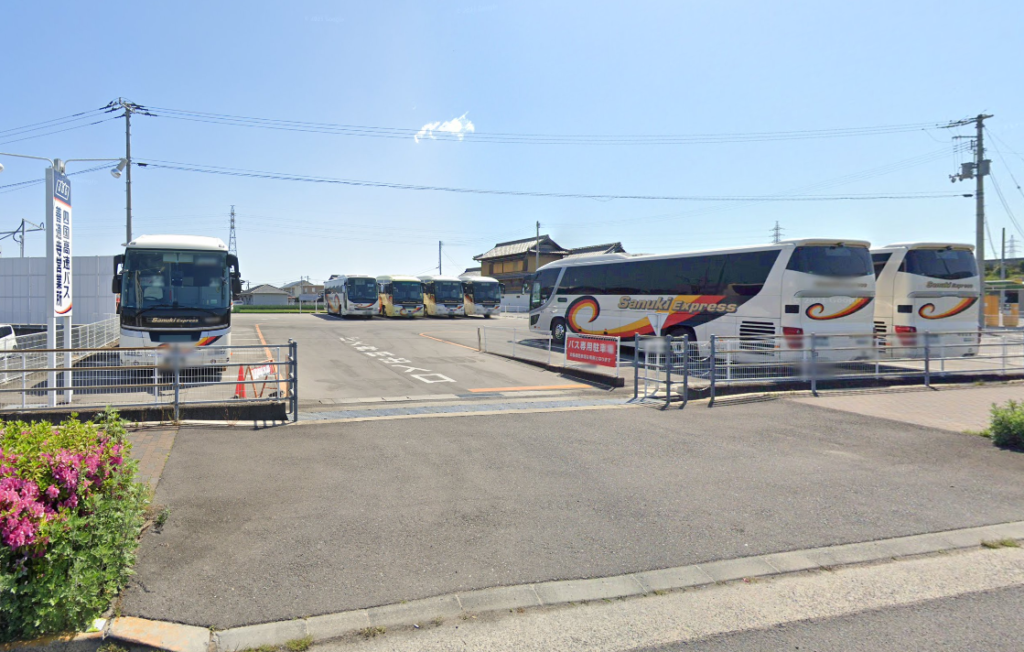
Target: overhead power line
(58, 131)
(258, 174)
(534, 138)
(11, 187)
(46, 124)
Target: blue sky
(510, 67)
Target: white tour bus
(442, 296)
(352, 295)
(176, 290)
(927, 287)
(483, 295)
(791, 289)
(400, 296)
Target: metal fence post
(686, 370)
(293, 355)
(711, 374)
(23, 374)
(927, 360)
(156, 384)
(478, 340)
(177, 387)
(636, 365)
(668, 370)
(513, 342)
(1002, 345)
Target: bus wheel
(487, 316)
(558, 331)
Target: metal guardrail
(148, 377)
(764, 361)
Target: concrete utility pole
(439, 272)
(21, 231)
(977, 170)
(536, 245)
(121, 104)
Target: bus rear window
(948, 264)
(835, 260)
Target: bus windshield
(447, 291)
(406, 292)
(361, 289)
(486, 292)
(947, 264)
(175, 279)
(834, 260)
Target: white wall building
(24, 282)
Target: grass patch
(161, 518)
(299, 644)
(372, 632)
(265, 309)
(111, 647)
(992, 544)
(262, 648)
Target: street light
(57, 166)
(116, 172)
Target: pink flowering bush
(70, 517)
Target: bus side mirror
(236, 286)
(115, 284)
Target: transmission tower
(777, 233)
(1011, 248)
(232, 244)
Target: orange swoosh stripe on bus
(955, 310)
(815, 311)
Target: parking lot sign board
(603, 352)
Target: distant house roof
(610, 248)
(471, 271)
(526, 245)
(265, 288)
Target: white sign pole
(59, 257)
(51, 318)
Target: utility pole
(232, 245)
(21, 231)
(439, 272)
(977, 170)
(121, 104)
(776, 233)
(536, 249)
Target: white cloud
(456, 126)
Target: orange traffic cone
(240, 387)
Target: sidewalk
(957, 409)
(151, 446)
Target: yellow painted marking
(437, 339)
(524, 389)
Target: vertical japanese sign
(60, 241)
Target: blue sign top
(62, 188)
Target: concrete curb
(186, 638)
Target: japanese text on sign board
(591, 351)
(60, 223)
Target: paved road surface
(345, 359)
(320, 518)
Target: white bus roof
(192, 242)
(437, 277)
(398, 277)
(589, 260)
(926, 245)
(468, 278)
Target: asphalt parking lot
(303, 520)
(345, 359)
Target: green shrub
(1007, 427)
(70, 519)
